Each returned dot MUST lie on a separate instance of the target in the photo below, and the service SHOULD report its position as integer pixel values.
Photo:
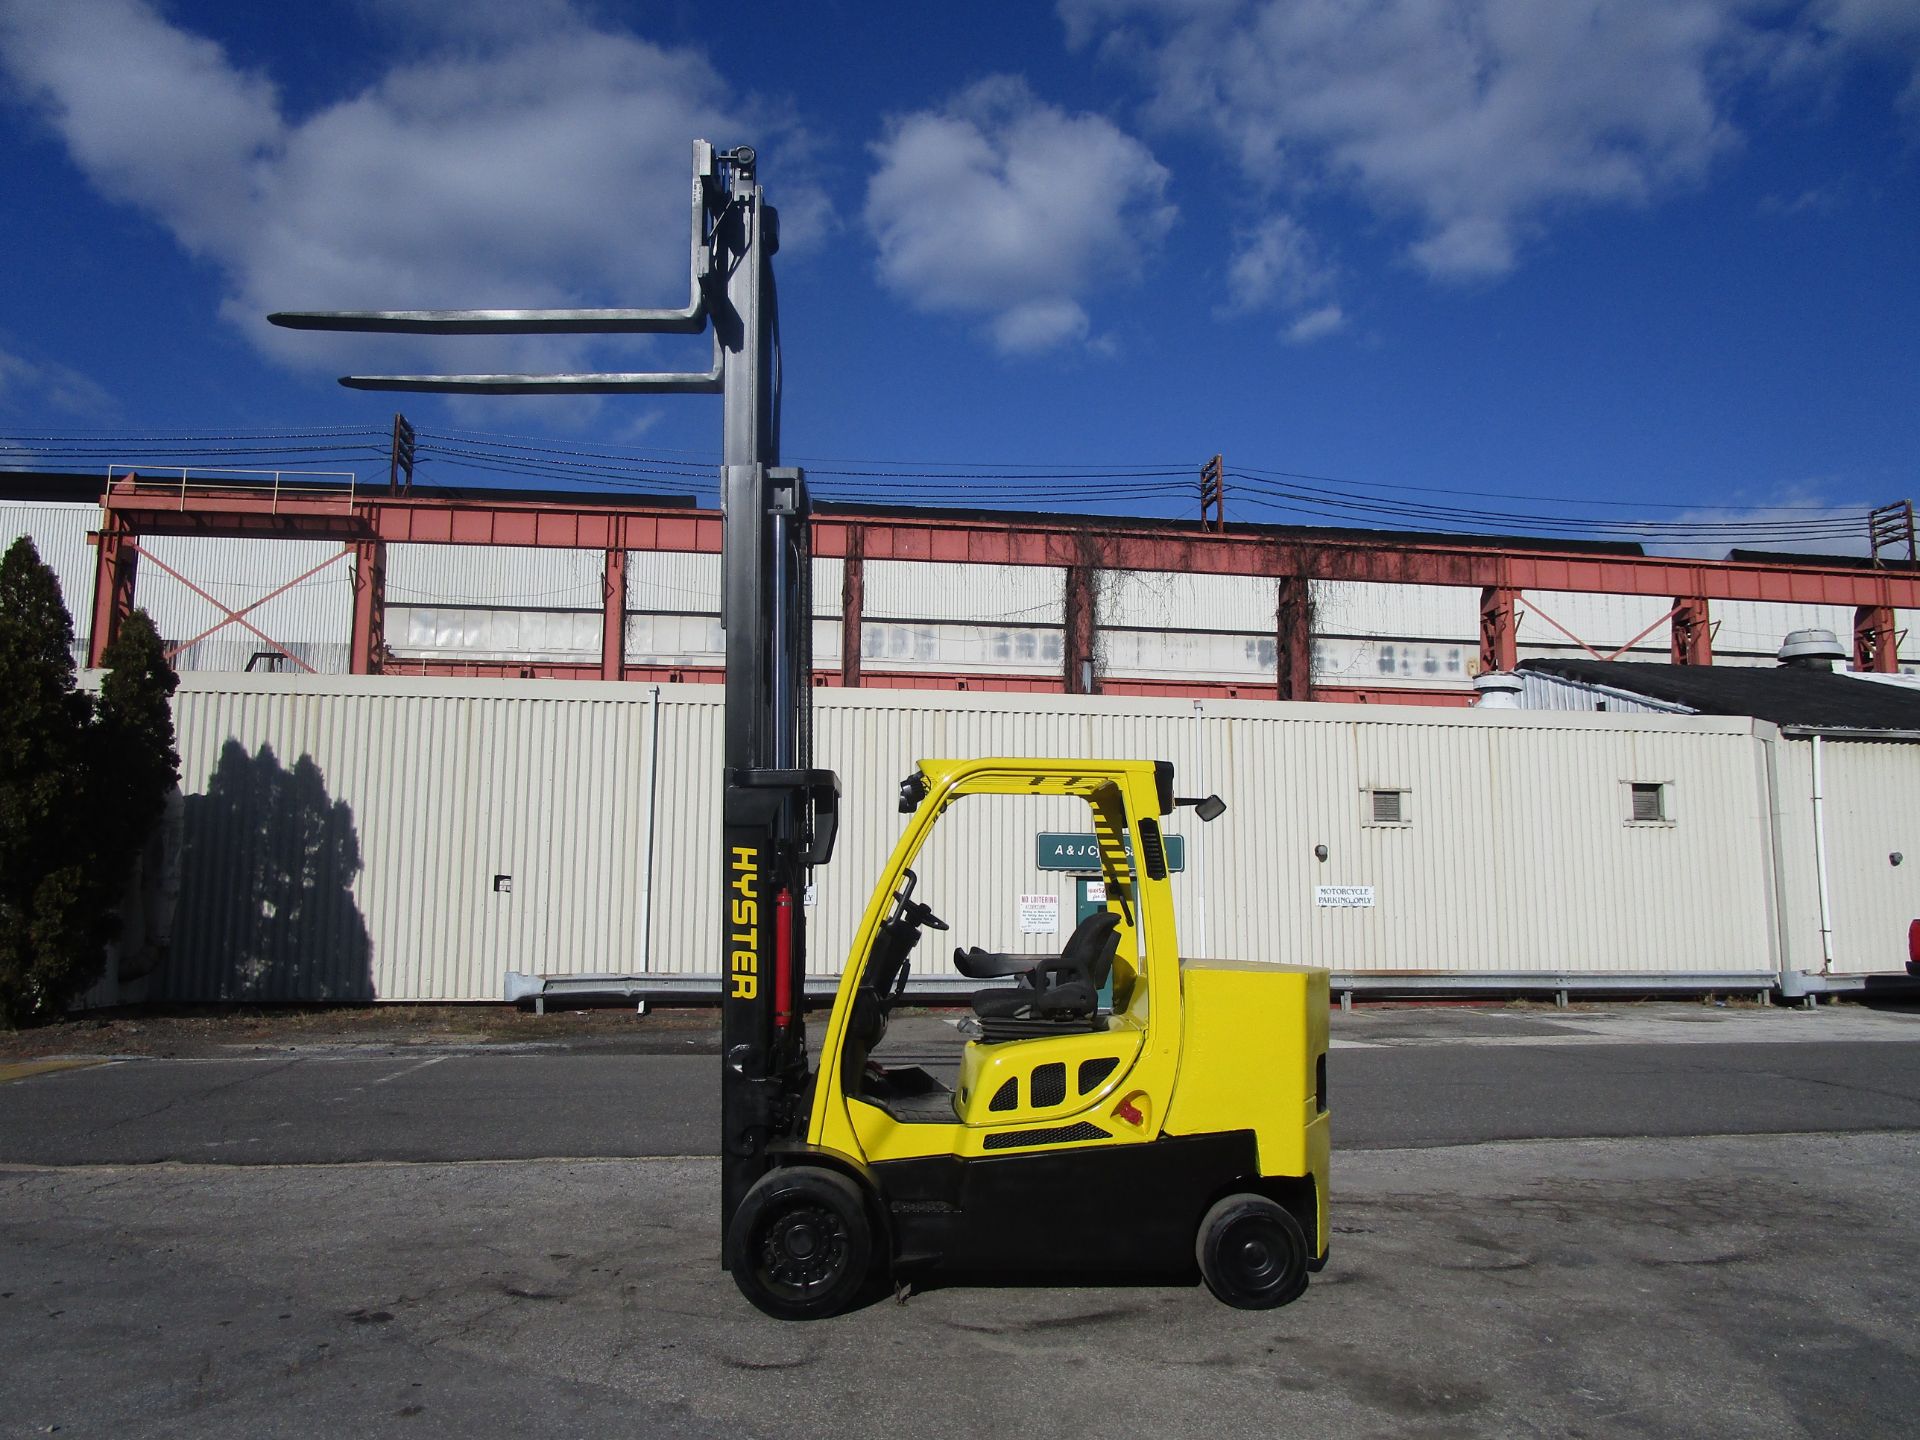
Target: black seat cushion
(1064, 990)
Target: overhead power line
(1148, 486)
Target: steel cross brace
(237, 617)
(1598, 655)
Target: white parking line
(410, 1069)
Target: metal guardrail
(705, 989)
(280, 484)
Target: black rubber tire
(1252, 1253)
(800, 1246)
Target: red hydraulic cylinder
(783, 961)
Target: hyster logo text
(745, 915)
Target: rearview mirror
(1211, 808)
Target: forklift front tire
(801, 1245)
(1252, 1253)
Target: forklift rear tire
(1252, 1253)
(800, 1245)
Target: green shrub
(82, 783)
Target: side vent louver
(1056, 1135)
(1092, 1072)
(1048, 1085)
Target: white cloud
(1800, 519)
(506, 164)
(1001, 207)
(30, 387)
(1868, 29)
(1473, 119)
(1317, 324)
(1277, 266)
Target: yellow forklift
(1183, 1128)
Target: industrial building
(405, 776)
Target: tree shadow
(265, 910)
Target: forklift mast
(780, 813)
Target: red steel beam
(613, 616)
(1022, 540)
(853, 604)
(1692, 635)
(369, 643)
(115, 570)
(943, 680)
(1080, 665)
(1293, 639)
(1499, 629)
(1875, 643)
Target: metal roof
(1784, 695)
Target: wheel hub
(803, 1250)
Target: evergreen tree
(135, 762)
(80, 788)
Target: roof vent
(1497, 691)
(1811, 650)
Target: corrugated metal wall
(1872, 804)
(60, 535)
(343, 838)
(500, 576)
(1555, 692)
(919, 615)
(343, 842)
(314, 618)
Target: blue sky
(1655, 259)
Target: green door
(1090, 898)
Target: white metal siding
(463, 632)
(1171, 600)
(1872, 809)
(674, 583)
(1518, 858)
(343, 843)
(314, 618)
(1553, 692)
(983, 594)
(1365, 608)
(59, 533)
(1603, 622)
(1757, 627)
(499, 577)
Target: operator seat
(1057, 995)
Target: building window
(1387, 807)
(1648, 804)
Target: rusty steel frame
(369, 522)
(231, 616)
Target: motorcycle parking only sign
(1343, 897)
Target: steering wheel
(915, 913)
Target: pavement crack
(173, 1101)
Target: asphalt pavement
(1398, 1079)
(1669, 1220)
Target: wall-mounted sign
(1039, 914)
(1080, 854)
(1344, 897)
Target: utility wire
(657, 470)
